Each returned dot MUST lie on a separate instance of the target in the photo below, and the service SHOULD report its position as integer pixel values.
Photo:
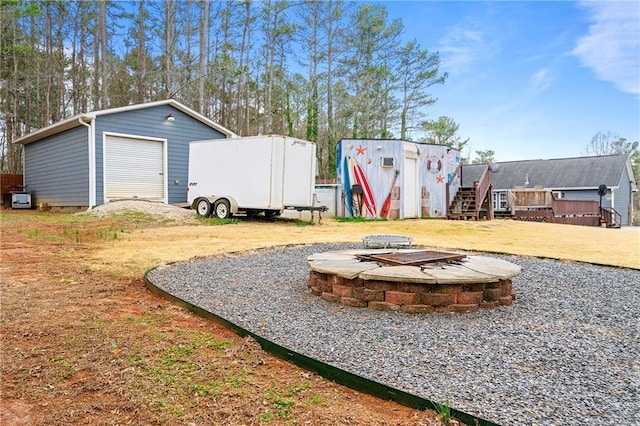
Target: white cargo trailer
(251, 175)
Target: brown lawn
(84, 342)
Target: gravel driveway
(565, 353)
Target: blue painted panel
(56, 169)
(152, 122)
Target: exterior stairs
(463, 206)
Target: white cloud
(541, 81)
(461, 47)
(612, 45)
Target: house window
(500, 201)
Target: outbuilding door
(410, 192)
(134, 168)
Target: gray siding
(581, 172)
(583, 194)
(623, 198)
(56, 169)
(152, 122)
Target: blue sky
(532, 79)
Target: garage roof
(76, 120)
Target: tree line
(318, 70)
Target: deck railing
(611, 217)
(528, 198)
(575, 207)
(482, 188)
(544, 206)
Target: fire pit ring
(412, 280)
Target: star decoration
(360, 150)
(440, 179)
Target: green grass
(358, 220)
(444, 411)
(281, 405)
(178, 372)
(214, 221)
(64, 368)
(135, 217)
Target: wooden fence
(8, 180)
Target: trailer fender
(224, 207)
(199, 204)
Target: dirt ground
(84, 342)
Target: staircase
(463, 206)
(469, 202)
(610, 217)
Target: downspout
(91, 141)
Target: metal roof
(77, 120)
(561, 173)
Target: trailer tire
(222, 209)
(203, 207)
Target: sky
(535, 79)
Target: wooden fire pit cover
(413, 258)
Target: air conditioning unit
(20, 200)
(387, 162)
(17, 197)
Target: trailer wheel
(203, 207)
(221, 209)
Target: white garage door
(134, 168)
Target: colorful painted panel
(387, 178)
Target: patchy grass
(214, 221)
(358, 220)
(84, 342)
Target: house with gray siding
(138, 151)
(568, 178)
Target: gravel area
(157, 209)
(565, 353)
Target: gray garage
(138, 151)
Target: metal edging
(335, 374)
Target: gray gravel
(565, 353)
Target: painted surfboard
(351, 161)
(346, 181)
(361, 179)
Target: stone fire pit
(412, 280)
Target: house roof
(560, 173)
(77, 120)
